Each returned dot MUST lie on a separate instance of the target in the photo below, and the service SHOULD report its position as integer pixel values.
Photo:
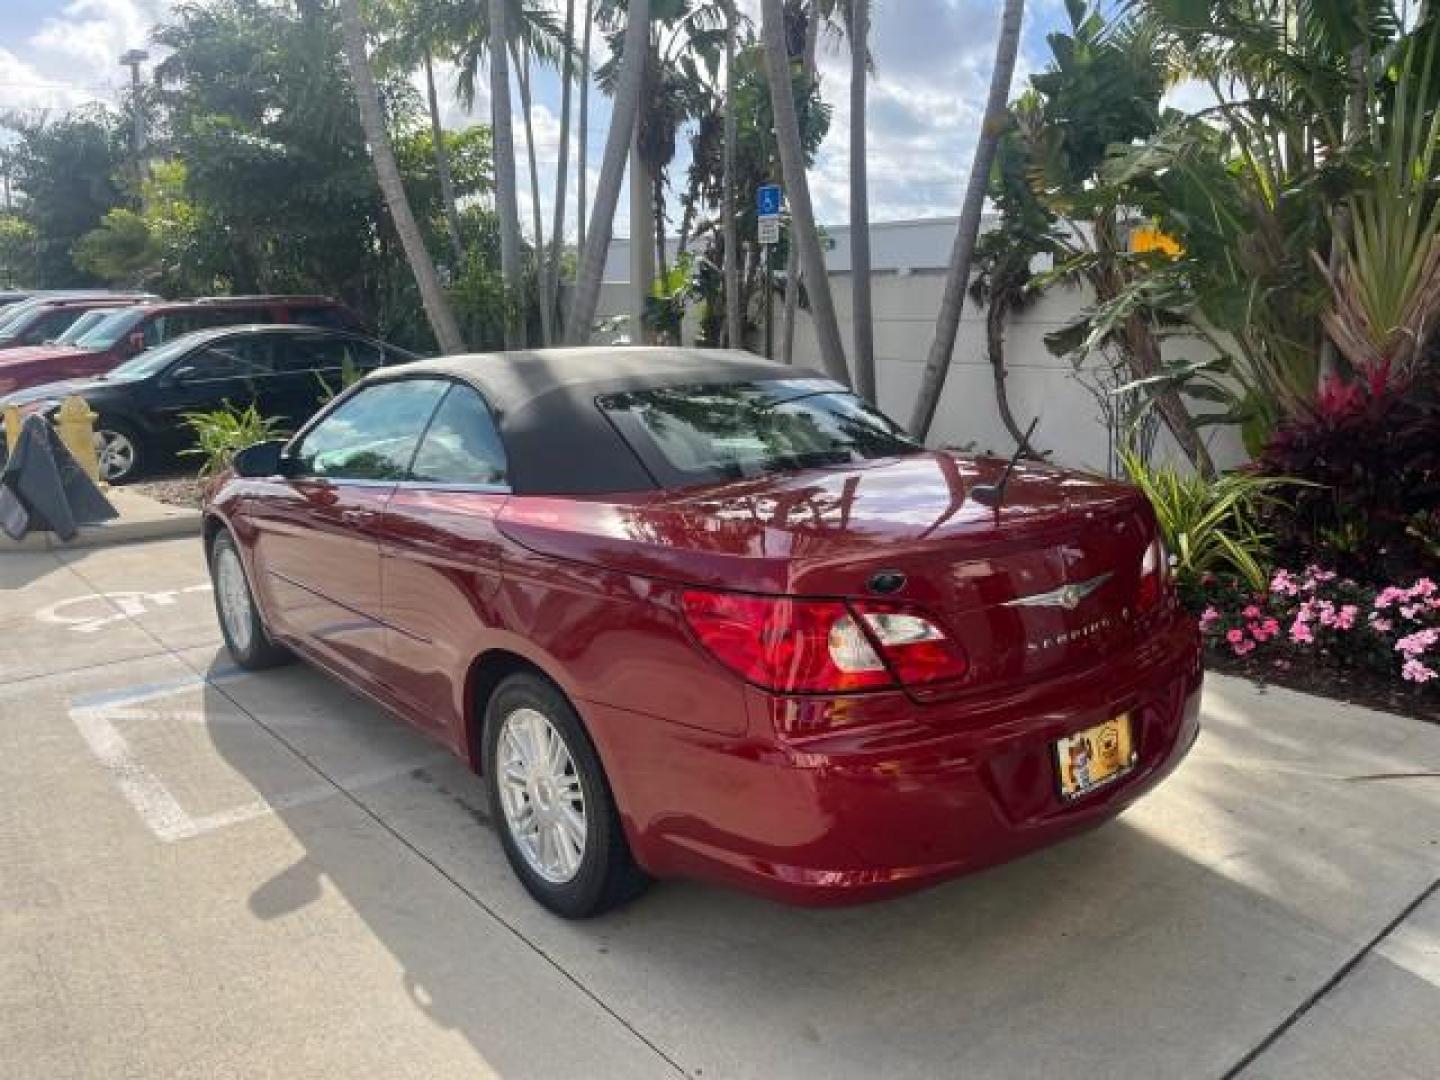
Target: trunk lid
(1048, 581)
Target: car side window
(239, 358)
(461, 446)
(372, 435)
(328, 317)
(328, 356)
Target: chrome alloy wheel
(116, 454)
(234, 596)
(541, 795)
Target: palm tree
(802, 213)
(551, 271)
(734, 317)
(863, 309)
(818, 11)
(503, 138)
(582, 156)
(612, 173)
(387, 173)
(442, 160)
(947, 326)
(522, 79)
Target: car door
(440, 560)
(237, 371)
(317, 531)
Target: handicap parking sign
(768, 199)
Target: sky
(932, 68)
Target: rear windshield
(703, 434)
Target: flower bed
(1322, 632)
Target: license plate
(1094, 757)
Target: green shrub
(1210, 526)
(222, 433)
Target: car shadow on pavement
(1170, 942)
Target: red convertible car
(695, 614)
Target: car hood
(39, 352)
(55, 391)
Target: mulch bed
(176, 490)
(1352, 687)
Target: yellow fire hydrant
(76, 424)
(12, 427)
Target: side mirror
(180, 372)
(263, 459)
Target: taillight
(820, 646)
(1154, 573)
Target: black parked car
(287, 372)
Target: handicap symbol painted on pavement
(94, 611)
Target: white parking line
(158, 808)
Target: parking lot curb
(140, 519)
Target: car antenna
(993, 495)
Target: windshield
(701, 434)
(81, 326)
(11, 316)
(111, 329)
(151, 361)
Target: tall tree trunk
(537, 215)
(863, 311)
(802, 213)
(947, 326)
(507, 207)
(623, 114)
(387, 173)
(734, 315)
(1340, 225)
(997, 312)
(442, 164)
(662, 257)
(792, 253)
(1144, 355)
(557, 232)
(582, 157)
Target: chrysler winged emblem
(1067, 596)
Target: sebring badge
(1067, 596)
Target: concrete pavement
(208, 873)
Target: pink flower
(1300, 632)
(1379, 625)
(1251, 612)
(1235, 636)
(1416, 672)
(1241, 648)
(1423, 587)
(1209, 617)
(1410, 611)
(1283, 583)
(1346, 618)
(1389, 595)
(1415, 645)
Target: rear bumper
(897, 805)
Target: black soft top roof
(557, 440)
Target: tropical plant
(502, 130)
(1371, 447)
(1210, 525)
(957, 280)
(734, 316)
(222, 433)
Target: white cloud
(85, 40)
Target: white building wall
(906, 294)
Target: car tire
(563, 794)
(119, 451)
(245, 635)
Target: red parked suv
(135, 329)
(43, 319)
